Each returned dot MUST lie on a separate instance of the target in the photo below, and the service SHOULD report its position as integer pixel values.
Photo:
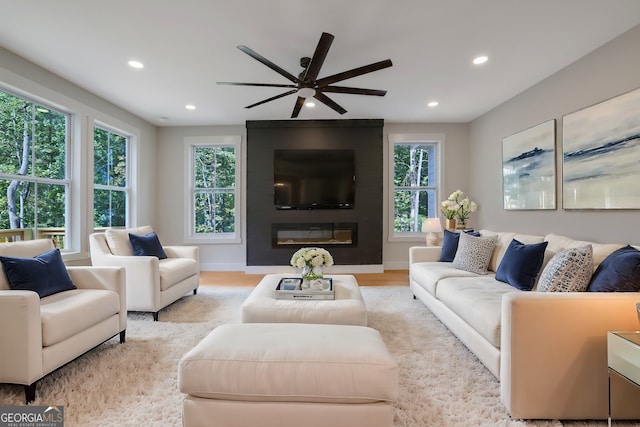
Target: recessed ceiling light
(309, 104)
(480, 60)
(190, 107)
(136, 64)
(433, 104)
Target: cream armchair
(39, 335)
(152, 283)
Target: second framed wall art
(600, 155)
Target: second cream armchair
(151, 283)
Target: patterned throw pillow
(569, 270)
(474, 253)
(450, 245)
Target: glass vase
(310, 275)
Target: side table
(623, 358)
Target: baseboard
(334, 269)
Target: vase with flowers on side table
(457, 209)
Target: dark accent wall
(364, 137)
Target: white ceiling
(189, 45)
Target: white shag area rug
(135, 384)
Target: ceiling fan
(307, 84)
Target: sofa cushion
(450, 245)
(600, 250)
(521, 264)
(619, 272)
(118, 238)
(428, 274)
(174, 270)
(45, 274)
(503, 242)
(147, 245)
(69, 313)
(569, 270)
(474, 253)
(477, 301)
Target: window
(110, 191)
(414, 182)
(34, 185)
(214, 188)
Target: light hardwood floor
(239, 278)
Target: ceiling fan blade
(329, 102)
(297, 107)
(269, 64)
(255, 84)
(353, 90)
(272, 98)
(354, 73)
(318, 56)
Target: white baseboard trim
(334, 269)
(397, 265)
(214, 266)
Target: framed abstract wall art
(529, 168)
(600, 155)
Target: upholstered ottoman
(348, 308)
(289, 374)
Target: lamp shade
(431, 225)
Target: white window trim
(213, 238)
(410, 138)
(128, 188)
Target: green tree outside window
(414, 192)
(33, 165)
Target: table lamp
(431, 226)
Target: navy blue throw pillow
(619, 272)
(147, 245)
(45, 274)
(450, 245)
(521, 264)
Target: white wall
(605, 73)
(455, 174)
(172, 186)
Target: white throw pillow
(569, 270)
(474, 253)
(118, 238)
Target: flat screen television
(313, 179)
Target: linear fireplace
(320, 234)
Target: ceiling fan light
(306, 92)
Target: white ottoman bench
(348, 308)
(289, 374)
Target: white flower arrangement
(457, 206)
(311, 257)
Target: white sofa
(548, 349)
(152, 283)
(39, 335)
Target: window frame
(190, 143)
(126, 189)
(437, 139)
(66, 182)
